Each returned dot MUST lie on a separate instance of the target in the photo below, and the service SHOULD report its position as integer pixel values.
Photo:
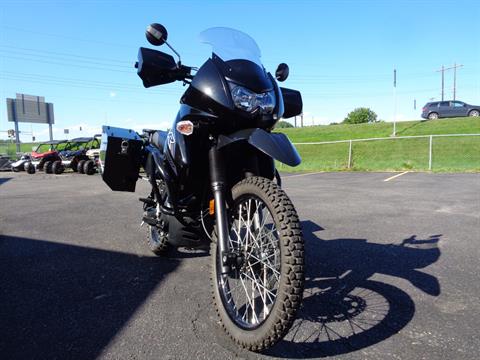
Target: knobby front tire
(257, 300)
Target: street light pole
(394, 102)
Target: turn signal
(185, 127)
(211, 207)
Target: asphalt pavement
(392, 272)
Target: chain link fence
(7, 148)
(452, 152)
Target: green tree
(283, 124)
(360, 115)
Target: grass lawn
(465, 125)
(11, 149)
(448, 153)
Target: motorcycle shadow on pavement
(343, 309)
(62, 301)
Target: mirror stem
(176, 53)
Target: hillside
(451, 154)
(448, 153)
(365, 131)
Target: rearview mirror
(282, 72)
(156, 34)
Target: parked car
(443, 109)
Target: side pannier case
(120, 158)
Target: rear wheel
(474, 113)
(157, 240)
(48, 167)
(57, 167)
(258, 298)
(80, 166)
(433, 116)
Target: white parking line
(292, 176)
(395, 176)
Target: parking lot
(78, 282)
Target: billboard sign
(30, 109)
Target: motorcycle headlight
(249, 101)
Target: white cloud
(113, 94)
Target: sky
(80, 54)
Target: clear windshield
(231, 44)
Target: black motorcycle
(214, 183)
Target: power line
(36, 33)
(105, 86)
(106, 68)
(64, 54)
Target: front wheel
(258, 298)
(89, 167)
(474, 113)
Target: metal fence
(9, 149)
(449, 152)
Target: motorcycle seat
(158, 139)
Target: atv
(75, 154)
(45, 156)
(87, 164)
(22, 164)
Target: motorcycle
(214, 182)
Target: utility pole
(443, 74)
(442, 70)
(455, 66)
(301, 120)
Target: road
(78, 282)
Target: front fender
(276, 145)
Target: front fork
(219, 188)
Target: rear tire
(157, 241)
(80, 166)
(31, 168)
(89, 167)
(433, 116)
(281, 284)
(474, 113)
(57, 167)
(48, 167)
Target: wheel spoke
(250, 291)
